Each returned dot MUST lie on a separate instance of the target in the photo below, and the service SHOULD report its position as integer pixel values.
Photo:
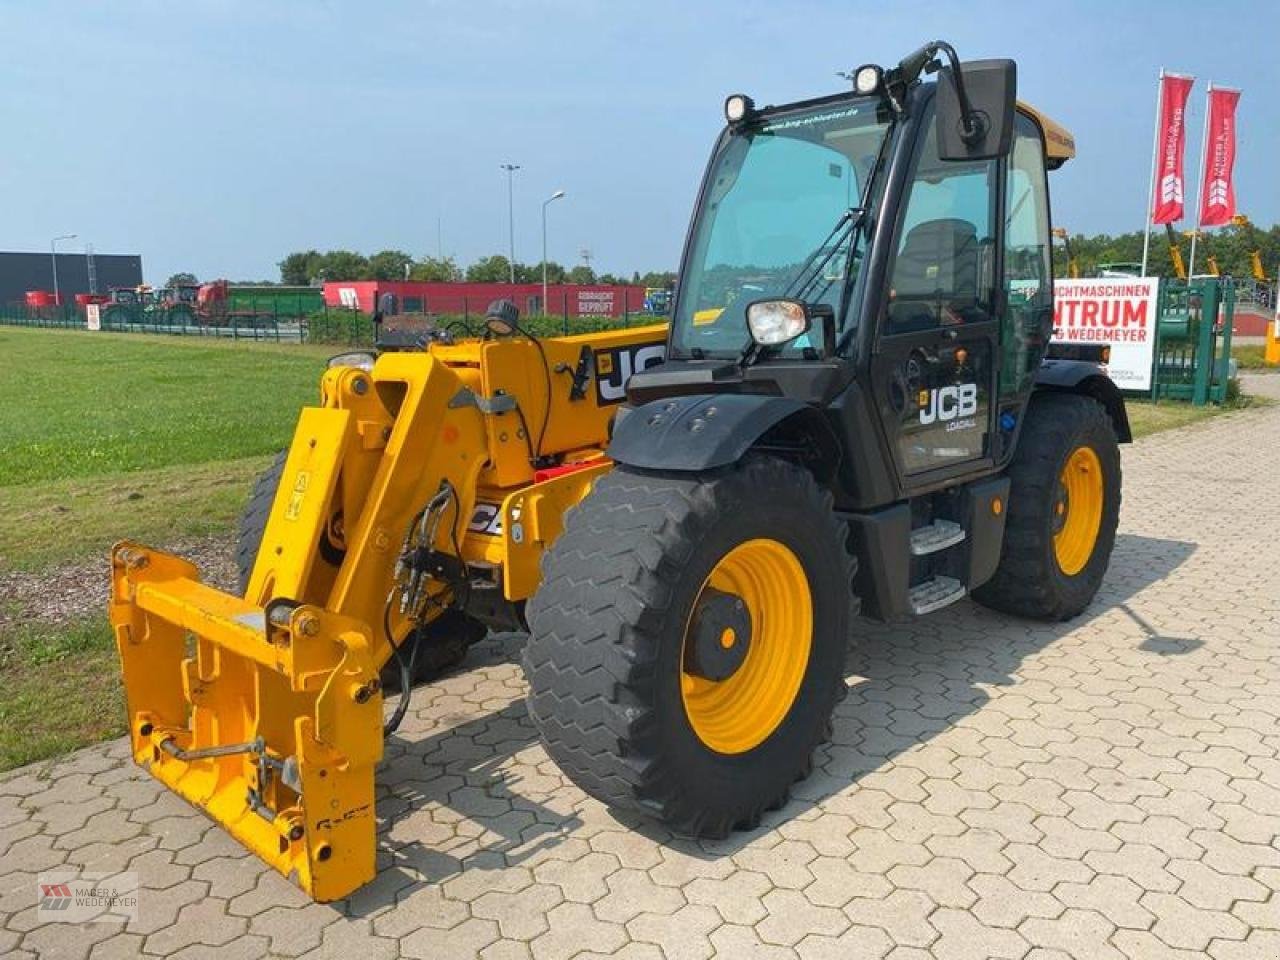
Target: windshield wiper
(811, 272)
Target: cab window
(1028, 272)
(942, 273)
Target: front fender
(697, 432)
(1090, 379)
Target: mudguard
(1092, 380)
(697, 432)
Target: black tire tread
(608, 581)
(253, 520)
(1026, 582)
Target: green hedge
(346, 327)
(352, 328)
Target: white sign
(93, 316)
(595, 303)
(1115, 312)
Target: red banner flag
(1218, 192)
(1166, 205)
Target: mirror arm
(974, 129)
(924, 60)
(825, 313)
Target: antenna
(91, 265)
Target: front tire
(1064, 507)
(687, 644)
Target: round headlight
(776, 321)
(866, 80)
(737, 107)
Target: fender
(1090, 379)
(705, 431)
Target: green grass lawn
(83, 404)
(1250, 356)
(106, 436)
(1146, 418)
(59, 689)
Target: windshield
(777, 220)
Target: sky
(216, 136)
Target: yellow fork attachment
(276, 727)
(282, 752)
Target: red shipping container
(409, 296)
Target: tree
(387, 265)
(608, 279)
(181, 279)
(343, 265)
(435, 270)
(658, 278)
(582, 274)
(532, 272)
(299, 269)
(492, 269)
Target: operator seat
(937, 267)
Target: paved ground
(1104, 788)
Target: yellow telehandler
(854, 409)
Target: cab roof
(1059, 144)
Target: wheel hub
(751, 629)
(1077, 510)
(719, 636)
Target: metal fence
(162, 321)
(271, 320)
(1193, 340)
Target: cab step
(934, 594)
(936, 536)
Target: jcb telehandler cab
(855, 412)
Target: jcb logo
(615, 367)
(947, 403)
(486, 519)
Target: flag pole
(1151, 187)
(1204, 149)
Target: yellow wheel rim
(1077, 510)
(738, 713)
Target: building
(409, 296)
(20, 272)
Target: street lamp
(53, 259)
(546, 203)
(511, 169)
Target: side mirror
(975, 110)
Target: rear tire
(253, 521)
(622, 708)
(1050, 566)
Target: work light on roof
(738, 107)
(866, 79)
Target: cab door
(933, 370)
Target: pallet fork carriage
(854, 409)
